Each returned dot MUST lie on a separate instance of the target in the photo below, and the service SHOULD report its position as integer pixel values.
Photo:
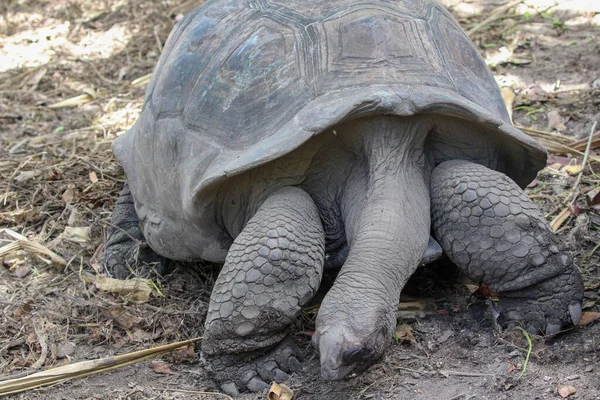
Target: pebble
(65, 349)
(22, 271)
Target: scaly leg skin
(127, 253)
(272, 269)
(496, 235)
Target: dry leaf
(143, 80)
(279, 391)
(573, 169)
(69, 194)
(593, 196)
(160, 367)
(509, 98)
(185, 354)
(135, 290)
(555, 121)
(80, 234)
(588, 317)
(139, 335)
(560, 219)
(84, 368)
(74, 101)
(122, 317)
(21, 311)
(41, 252)
(27, 175)
(93, 177)
(403, 333)
(566, 390)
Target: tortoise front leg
(127, 252)
(496, 235)
(272, 269)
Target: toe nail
(256, 385)
(533, 329)
(552, 329)
(575, 311)
(230, 389)
(279, 375)
(295, 365)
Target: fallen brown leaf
(160, 367)
(555, 121)
(69, 194)
(22, 311)
(184, 354)
(588, 317)
(135, 290)
(122, 317)
(403, 333)
(593, 196)
(566, 390)
(279, 391)
(560, 219)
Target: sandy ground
(59, 181)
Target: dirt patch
(60, 181)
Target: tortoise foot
(492, 231)
(544, 308)
(127, 253)
(254, 371)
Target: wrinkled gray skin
(377, 197)
(343, 137)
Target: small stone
(573, 377)
(22, 271)
(514, 353)
(64, 350)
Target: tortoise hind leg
(492, 231)
(127, 253)
(272, 269)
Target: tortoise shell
(241, 83)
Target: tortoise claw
(575, 312)
(552, 329)
(256, 385)
(230, 389)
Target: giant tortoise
(283, 137)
